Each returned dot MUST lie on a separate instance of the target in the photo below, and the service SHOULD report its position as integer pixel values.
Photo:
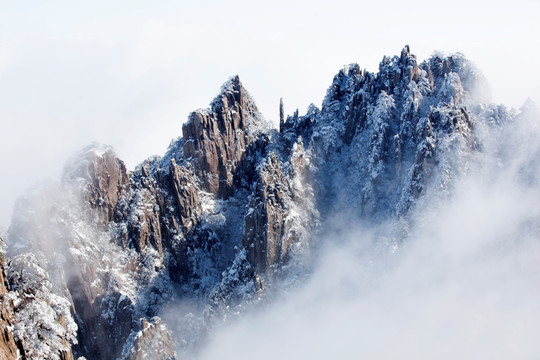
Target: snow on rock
(43, 320)
(151, 341)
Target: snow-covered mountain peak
(232, 210)
(233, 96)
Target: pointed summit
(215, 139)
(232, 105)
(233, 84)
(233, 94)
(405, 52)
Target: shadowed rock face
(265, 222)
(217, 139)
(99, 337)
(233, 202)
(186, 195)
(270, 222)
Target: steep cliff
(218, 139)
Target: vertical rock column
(216, 139)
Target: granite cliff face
(103, 177)
(234, 206)
(219, 139)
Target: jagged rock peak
(232, 109)
(234, 90)
(230, 208)
(232, 99)
(216, 139)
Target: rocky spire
(216, 139)
(281, 114)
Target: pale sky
(128, 73)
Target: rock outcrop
(265, 225)
(217, 138)
(186, 196)
(280, 211)
(104, 177)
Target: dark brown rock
(145, 225)
(66, 354)
(105, 176)
(266, 235)
(216, 140)
(185, 193)
(281, 115)
(147, 209)
(100, 337)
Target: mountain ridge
(234, 206)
